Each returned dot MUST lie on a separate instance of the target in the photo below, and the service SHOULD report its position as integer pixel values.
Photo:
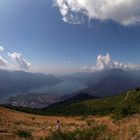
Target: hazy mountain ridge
(20, 82)
(109, 82)
(99, 84)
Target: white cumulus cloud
(104, 62)
(22, 62)
(125, 12)
(3, 62)
(1, 48)
(87, 69)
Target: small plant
(24, 134)
(134, 130)
(33, 118)
(3, 131)
(86, 134)
(43, 138)
(91, 122)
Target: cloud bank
(3, 62)
(105, 63)
(22, 63)
(1, 48)
(125, 12)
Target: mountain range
(99, 84)
(107, 83)
(19, 82)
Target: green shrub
(86, 134)
(24, 134)
(43, 138)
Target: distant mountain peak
(19, 82)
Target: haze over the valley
(70, 69)
(65, 47)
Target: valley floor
(13, 124)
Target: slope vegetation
(123, 105)
(119, 106)
(16, 125)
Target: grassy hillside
(124, 104)
(114, 118)
(16, 125)
(119, 106)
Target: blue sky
(35, 30)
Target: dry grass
(40, 126)
(11, 121)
